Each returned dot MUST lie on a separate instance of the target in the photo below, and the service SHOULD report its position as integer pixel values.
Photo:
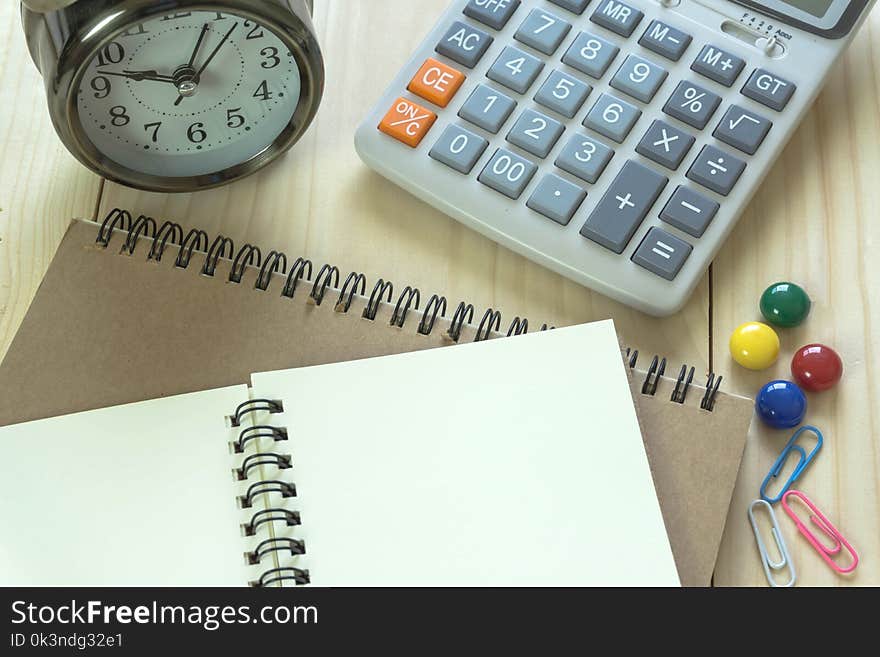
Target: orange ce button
(436, 82)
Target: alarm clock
(177, 96)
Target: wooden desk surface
(812, 222)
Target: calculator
(615, 142)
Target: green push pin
(785, 304)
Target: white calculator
(614, 141)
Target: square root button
(662, 253)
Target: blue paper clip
(803, 462)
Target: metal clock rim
(95, 34)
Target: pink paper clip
(820, 521)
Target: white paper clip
(771, 566)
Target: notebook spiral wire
(683, 381)
(264, 525)
(300, 274)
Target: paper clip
(771, 566)
(827, 528)
(804, 461)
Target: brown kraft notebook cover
(109, 327)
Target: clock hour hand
(140, 76)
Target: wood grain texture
(811, 222)
(41, 185)
(815, 222)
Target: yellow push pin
(754, 345)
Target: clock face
(189, 94)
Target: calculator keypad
(508, 173)
(769, 90)
(689, 211)
(584, 157)
(535, 132)
(494, 13)
(487, 108)
(662, 253)
(556, 198)
(617, 16)
(665, 40)
(612, 117)
(591, 54)
(665, 145)
(574, 6)
(716, 170)
(639, 78)
(692, 104)
(515, 69)
(464, 44)
(542, 31)
(458, 148)
(563, 93)
(743, 129)
(719, 65)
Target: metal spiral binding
(265, 524)
(683, 382)
(274, 266)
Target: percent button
(407, 122)
(692, 104)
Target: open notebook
(129, 318)
(381, 472)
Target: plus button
(625, 202)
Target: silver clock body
(74, 45)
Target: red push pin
(816, 367)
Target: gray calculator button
(459, 148)
(769, 90)
(665, 145)
(515, 69)
(542, 31)
(689, 211)
(612, 117)
(692, 104)
(716, 170)
(743, 129)
(464, 44)
(487, 108)
(624, 206)
(617, 17)
(662, 253)
(665, 40)
(535, 133)
(556, 199)
(563, 93)
(591, 54)
(494, 13)
(639, 78)
(508, 173)
(719, 65)
(584, 157)
(574, 6)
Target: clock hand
(140, 76)
(195, 53)
(209, 60)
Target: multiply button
(665, 145)
(719, 65)
(624, 206)
(436, 82)
(769, 90)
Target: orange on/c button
(407, 122)
(436, 82)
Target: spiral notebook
(196, 314)
(501, 488)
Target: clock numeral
(113, 53)
(196, 133)
(155, 128)
(271, 55)
(263, 92)
(119, 116)
(234, 120)
(101, 86)
(137, 30)
(176, 15)
(220, 16)
(256, 32)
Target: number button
(515, 69)
(535, 133)
(639, 78)
(716, 170)
(407, 122)
(563, 94)
(617, 17)
(590, 54)
(556, 199)
(464, 44)
(584, 157)
(743, 129)
(487, 108)
(508, 173)
(542, 31)
(769, 90)
(718, 65)
(665, 40)
(665, 145)
(692, 104)
(612, 117)
(662, 253)
(494, 13)
(459, 149)
(436, 82)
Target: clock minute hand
(210, 59)
(140, 76)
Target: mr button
(436, 82)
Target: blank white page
(507, 462)
(137, 495)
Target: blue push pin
(781, 404)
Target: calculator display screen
(814, 7)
